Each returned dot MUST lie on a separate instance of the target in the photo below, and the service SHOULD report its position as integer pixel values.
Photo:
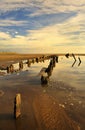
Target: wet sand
(39, 111)
(43, 107)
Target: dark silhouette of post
(8, 69)
(67, 55)
(74, 56)
(29, 63)
(57, 59)
(37, 60)
(20, 65)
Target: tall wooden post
(17, 106)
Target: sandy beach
(40, 111)
(41, 108)
(42, 64)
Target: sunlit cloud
(44, 6)
(42, 25)
(12, 23)
(4, 36)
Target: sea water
(66, 70)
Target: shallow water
(74, 76)
(63, 71)
(66, 84)
(66, 70)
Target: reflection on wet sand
(1, 93)
(73, 63)
(79, 61)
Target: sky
(42, 26)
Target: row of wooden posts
(44, 80)
(49, 69)
(17, 99)
(11, 69)
(74, 57)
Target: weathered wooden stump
(11, 68)
(20, 65)
(8, 69)
(44, 80)
(17, 106)
(51, 63)
(54, 63)
(37, 60)
(28, 63)
(67, 55)
(33, 61)
(57, 59)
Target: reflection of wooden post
(17, 106)
(79, 61)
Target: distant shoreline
(14, 56)
(7, 57)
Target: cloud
(42, 25)
(4, 36)
(44, 6)
(74, 28)
(11, 22)
(68, 36)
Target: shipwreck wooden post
(11, 68)
(28, 63)
(33, 61)
(17, 106)
(57, 59)
(20, 65)
(37, 59)
(8, 69)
